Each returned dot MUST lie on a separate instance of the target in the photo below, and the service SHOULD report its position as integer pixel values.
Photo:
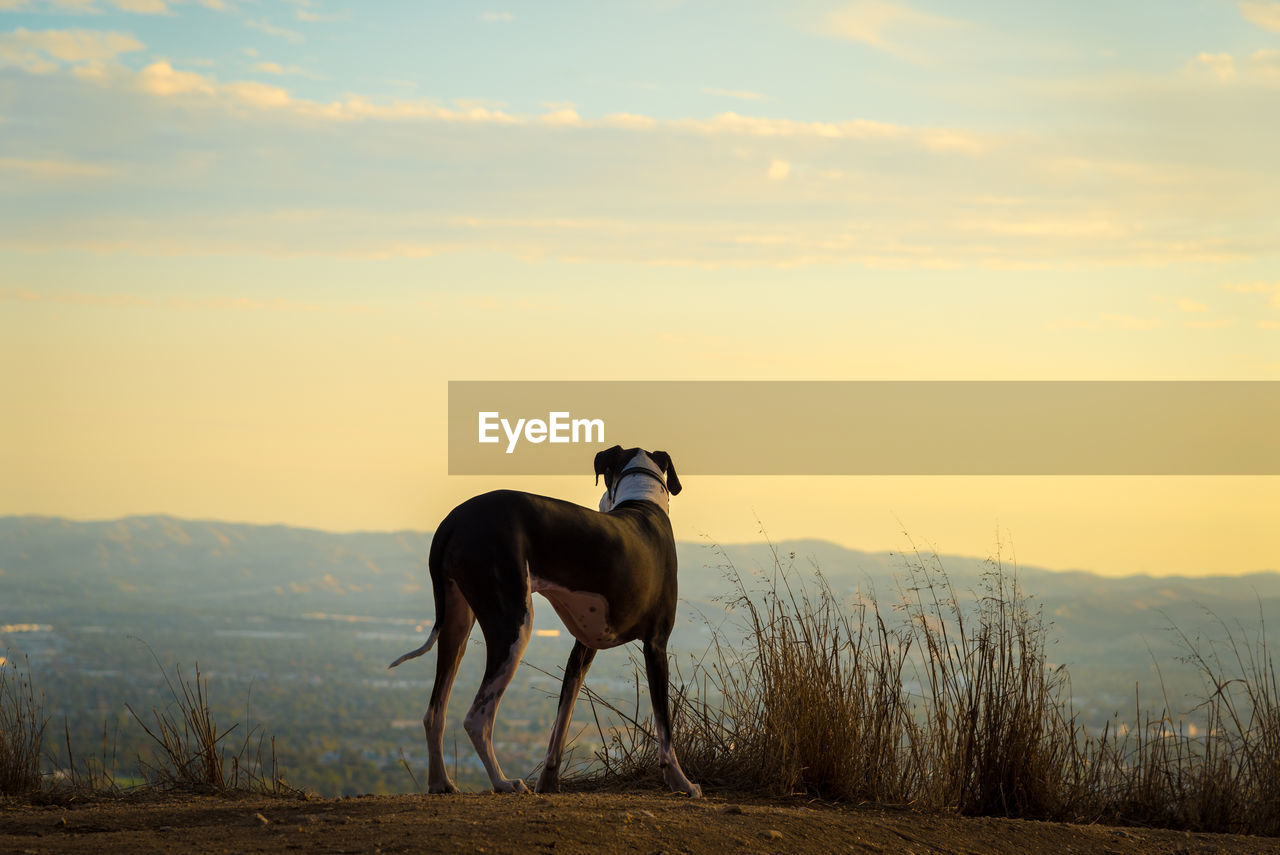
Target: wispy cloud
(317, 17)
(143, 7)
(1220, 65)
(49, 169)
(497, 17)
(1259, 67)
(134, 301)
(282, 70)
(1268, 289)
(44, 51)
(34, 51)
(890, 27)
(73, 298)
(1186, 304)
(264, 26)
(778, 170)
(1264, 14)
(137, 7)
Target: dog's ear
(606, 463)
(664, 460)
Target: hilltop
(572, 823)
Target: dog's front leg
(655, 662)
(575, 671)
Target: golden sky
(244, 246)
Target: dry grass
(91, 774)
(949, 704)
(1224, 778)
(192, 752)
(22, 728)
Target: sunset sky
(245, 244)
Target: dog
(610, 576)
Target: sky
(245, 244)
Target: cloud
(1084, 227)
(856, 129)
(1264, 14)
(49, 169)
(483, 103)
(904, 201)
(1271, 289)
(884, 26)
(133, 301)
(317, 17)
(736, 93)
(43, 51)
(161, 78)
(1186, 304)
(33, 50)
(270, 29)
(1220, 65)
(73, 298)
(143, 7)
(137, 7)
(497, 17)
(260, 95)
(565, 116)
(281, 70)
(1261, 66)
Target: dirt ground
(587, 823)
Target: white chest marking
(585, 614)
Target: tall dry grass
(947, 700)
(191, 751)
(1225, 776)
(22, 728)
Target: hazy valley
(294, 629)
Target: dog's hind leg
(574, 673)
(458, 620)
(506, 634)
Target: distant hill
(1105, 627)
(142, 561)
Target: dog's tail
(414, 654)
(434, 559)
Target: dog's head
(633, 473)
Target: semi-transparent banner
(871, 428)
